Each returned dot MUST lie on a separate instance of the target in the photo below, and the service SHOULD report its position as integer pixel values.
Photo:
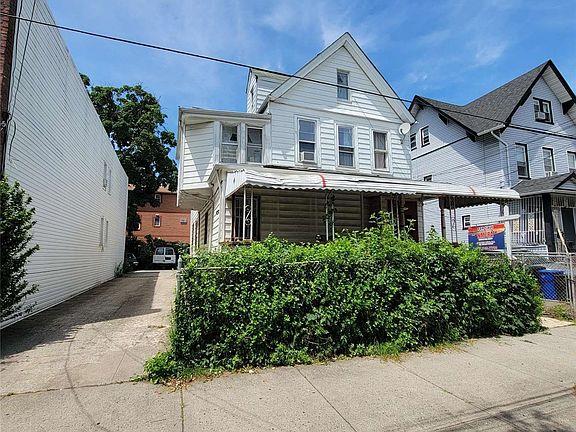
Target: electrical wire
(283, 74)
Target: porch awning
(277, 178)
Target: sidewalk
(504, 384)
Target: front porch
(547, 211)
(308, 206)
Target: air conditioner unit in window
(540, 115)
(307, 156)
(551, 173)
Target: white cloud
(488, 51)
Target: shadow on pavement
(128, 296)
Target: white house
(496, 141)
(315, 153)
(60, 153)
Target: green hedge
(275, 303)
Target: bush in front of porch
(276, 303)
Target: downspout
(506, 146)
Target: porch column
(549, 233)
(442, 218)
(505, 210)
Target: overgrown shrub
(15, 225)
(276, 303)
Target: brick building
(165, 221)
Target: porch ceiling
(287, 179)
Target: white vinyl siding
(197, 159)
(58, 153)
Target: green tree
(134, 122)
(15, 225)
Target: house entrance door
(568, 227)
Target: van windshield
(159, 251)
(170, 251)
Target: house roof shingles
(542, 185)
(499, 104)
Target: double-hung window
(572, 161)
(105, 176)
(465, 222)
(413, 144)
(253, 145)
(157, 220)
(542, 111)
(380, 150)
(307, 140)
(522, 161)
(342, 92)
(229, 146)
(549, 165)
(345, 146)
(424, 136)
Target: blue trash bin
(548, 279)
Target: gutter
(508, 182)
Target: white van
(164, 256)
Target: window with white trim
(109, 181)
(381, 154)
(465, 222)
(345, 146)
(572, 161)
(522, 161)
(253, 145)
(424, 136)
(413, 144)
(106, 233)
(549, 165)
(183, 221)
(542, 110)
(158, 198)
(427, 178)
(307, 140)
(342, 91)
(157, 220)
(229, 145)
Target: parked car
(164, 256)
(131, 261)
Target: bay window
(229, 145)
(253, 145)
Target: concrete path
(68, 371)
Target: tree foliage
(134, 122)
(15, 225)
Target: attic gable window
(542, 111)
(229, 145)
(413, 144)
(342, 80)
(424, 136)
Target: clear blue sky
(449, 50)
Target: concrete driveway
(68, 370)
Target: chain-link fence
(556, 274)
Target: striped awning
(288, 179)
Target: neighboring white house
(315, 154)
(60, 153)
(463, 145)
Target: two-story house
(316, 153)
(58, 150)
(521, 135)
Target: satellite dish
(404, 128)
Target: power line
(248, 66)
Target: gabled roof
(347, 41)
(498, 106)
(545, 184)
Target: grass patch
(560, 312)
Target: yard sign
(488, 237)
